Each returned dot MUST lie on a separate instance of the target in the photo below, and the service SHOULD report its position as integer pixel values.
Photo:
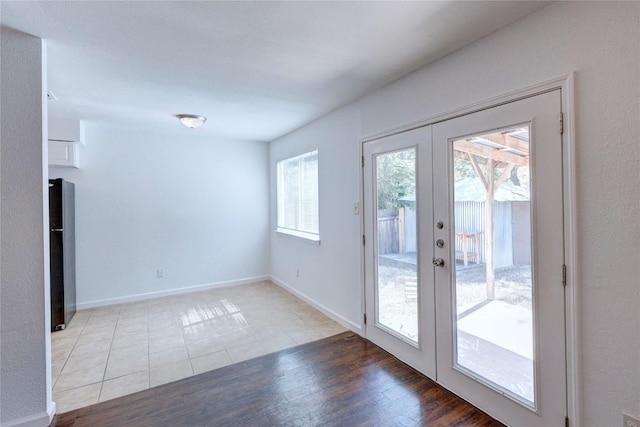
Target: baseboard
(169, 292)
(42, 419)
(326, 311)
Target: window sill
(307, 237)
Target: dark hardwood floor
(343, 380)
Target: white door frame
(572, 333)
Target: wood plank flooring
(342, 380)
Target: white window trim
(299, 234)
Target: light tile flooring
(117, 350)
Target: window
(297, 186)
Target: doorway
(464, 256)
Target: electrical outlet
(356, 208)
(629, 421)
(298, 275)
(160, 274)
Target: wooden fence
(512, 231)
(388, 232)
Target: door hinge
(564, 275)
(362, 161)
(365, 318)
(363, 240)
(561, 123)
(566, 421)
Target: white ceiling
(257, 70)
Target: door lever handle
(57, 229)
(438, 262)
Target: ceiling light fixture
(191, 120)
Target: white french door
(399, 286)
(464, 255)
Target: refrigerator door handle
(57, 229)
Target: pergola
(499, 151)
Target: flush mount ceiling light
(191, 120)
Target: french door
(464, 255)
(400, 284)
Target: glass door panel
(498, 256)
(398, 271)
(397, 277)
(493, 283)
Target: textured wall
(599, 42)
(23, 328)
(194, 207)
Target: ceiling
(256, 70)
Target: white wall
(600, 43)
(25, 362)
(196, 208)
(328, 273)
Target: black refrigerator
(62, 252)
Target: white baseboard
(169, 292)
(42, 419)
(326, 311)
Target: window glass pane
(493, 268)
(397, 249)
(297, 193)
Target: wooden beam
(506, 173)
(490, 153)
(508, 141)
(489, 232)
(461, 155)
(476, 168)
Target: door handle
(438, 262)
(57, 229)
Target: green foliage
(396, 177)
(462, 169)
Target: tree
(396, 177)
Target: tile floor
(117, 350)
